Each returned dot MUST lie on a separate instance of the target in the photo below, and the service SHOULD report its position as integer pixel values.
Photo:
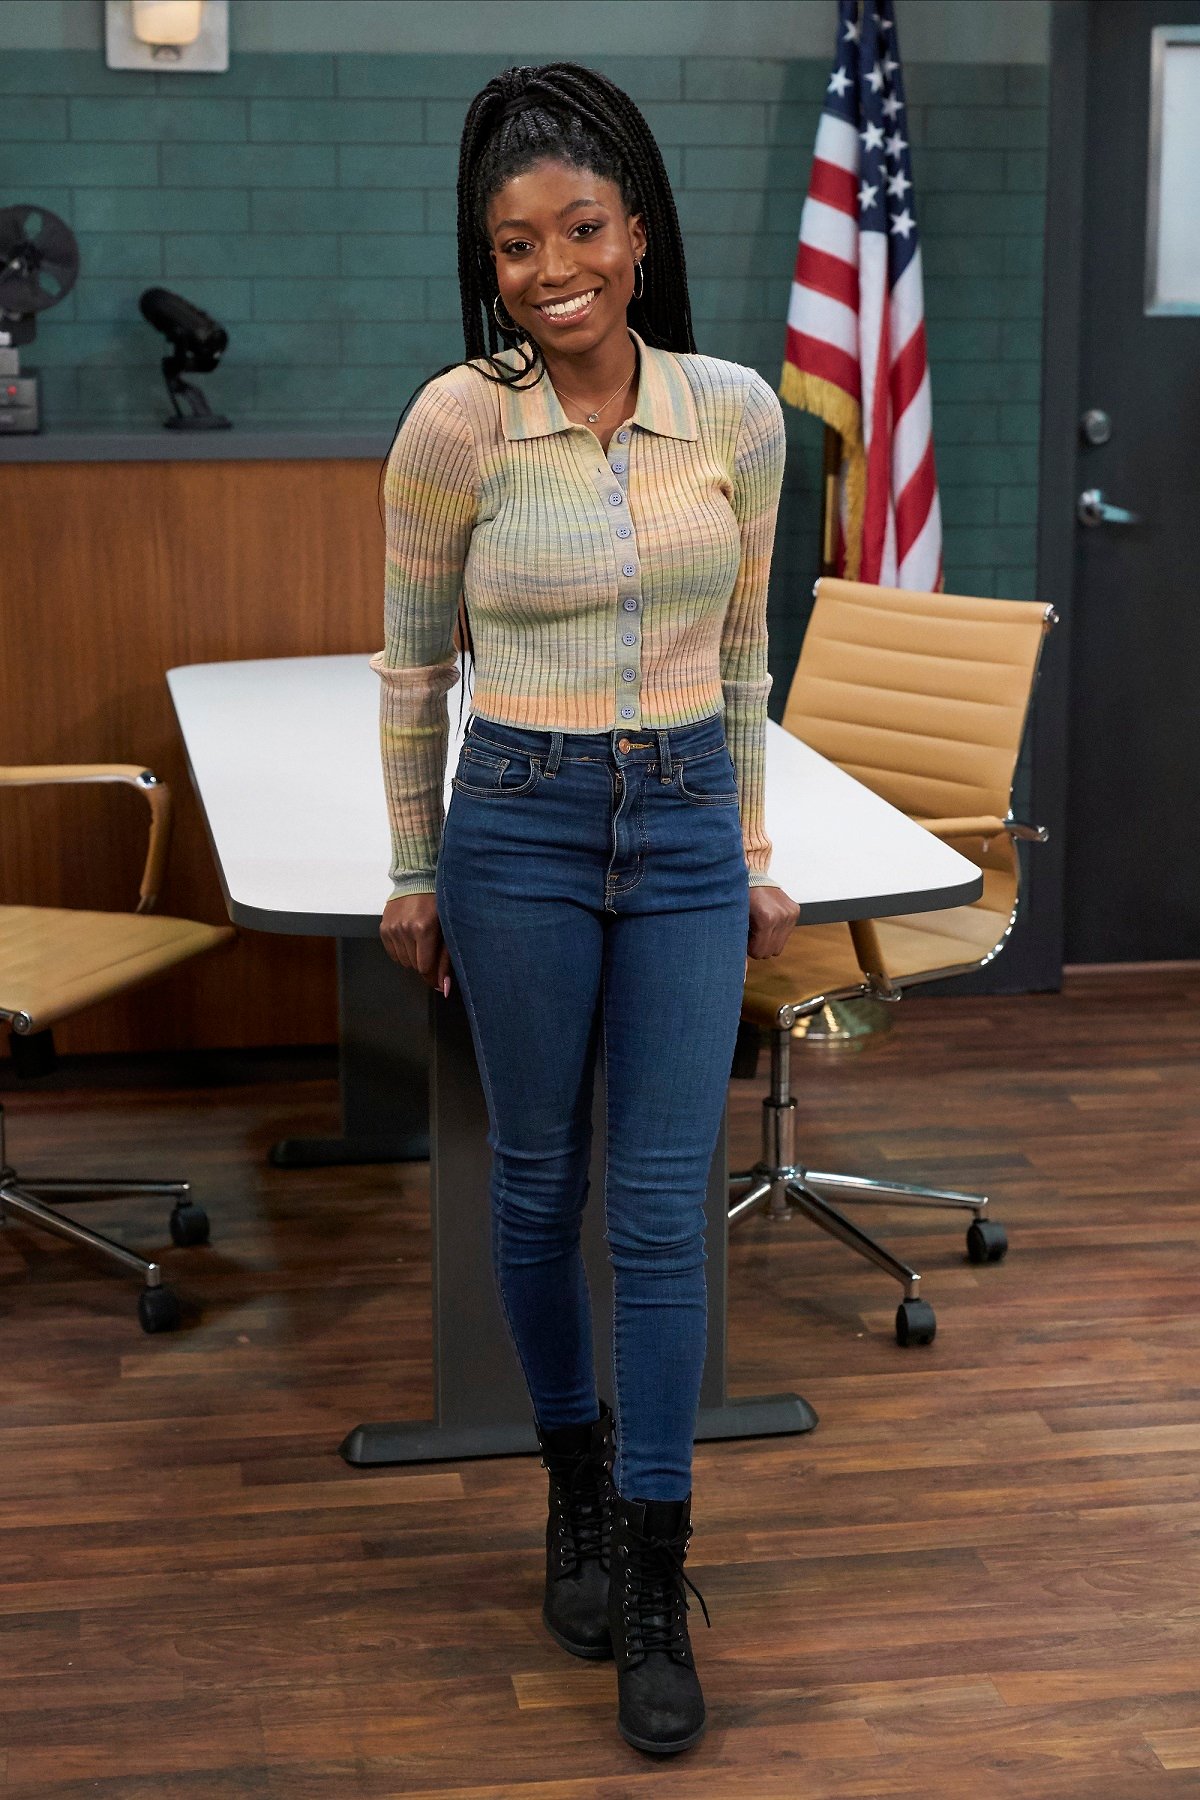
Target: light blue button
(629, 603)
(622, 437)
(628, 674)
(627, 712)
(618, 468)
(629, 637)
(629, 568)
(615, 499)
(624, 531)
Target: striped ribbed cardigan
(626, 589)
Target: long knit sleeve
(745, 679)
(431, 488)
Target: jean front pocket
(708, 780)
(491, 775)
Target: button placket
(612, 481)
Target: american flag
(856, 321)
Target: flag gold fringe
(809, 393)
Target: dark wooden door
(1133, 801)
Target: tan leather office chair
(923, 698)
(55, 961)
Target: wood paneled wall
(113, 573)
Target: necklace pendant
(592, 417)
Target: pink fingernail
(446, 987)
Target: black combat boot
(660, 1705)
(579, 1460)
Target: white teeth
(569, 306)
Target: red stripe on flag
(836, 187)
(828, 274)
(816, 357)
(913, 504)
(908, 371)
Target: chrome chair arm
(985, 825)
(157, 794)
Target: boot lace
(657, 1578)
(582, 1514)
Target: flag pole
(829, 500)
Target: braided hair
(567, 113)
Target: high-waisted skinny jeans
(593, 894)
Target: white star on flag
(872, 137)
(875, 80)
(898, 184)
(895, 145)
(851, 32)
(891, 106)
(839, 83)
(903, 223)
(866, 195)
(890, 65)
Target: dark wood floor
(977, 1578)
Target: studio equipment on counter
(198, 345)
(39, 260)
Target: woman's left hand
(773, 914)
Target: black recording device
(198, 344)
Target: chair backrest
(921, 697)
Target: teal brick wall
(307, 201)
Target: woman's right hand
(412, 936)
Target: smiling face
(564, 249)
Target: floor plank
(976, 1579)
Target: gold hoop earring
(509, 330)
(637, 270)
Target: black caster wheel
(915, 1323)
(189, 1225)
(986, 1241)
(158, 1309)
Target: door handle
(1093, 509)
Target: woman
(607, 499)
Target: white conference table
(284, 756)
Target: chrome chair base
(25, 1202)
(779, 1186)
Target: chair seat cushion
(817, 961)
(929, 944)
(54, 961)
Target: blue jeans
(593, 894)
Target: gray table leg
(481, 1407)
(383, 1064)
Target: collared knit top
(604, 590)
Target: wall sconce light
(167, 22)
(167, 35)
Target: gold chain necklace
(593, 416)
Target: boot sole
(657, 1747)
(590, 1652)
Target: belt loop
(556, 743)
(664, 754)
